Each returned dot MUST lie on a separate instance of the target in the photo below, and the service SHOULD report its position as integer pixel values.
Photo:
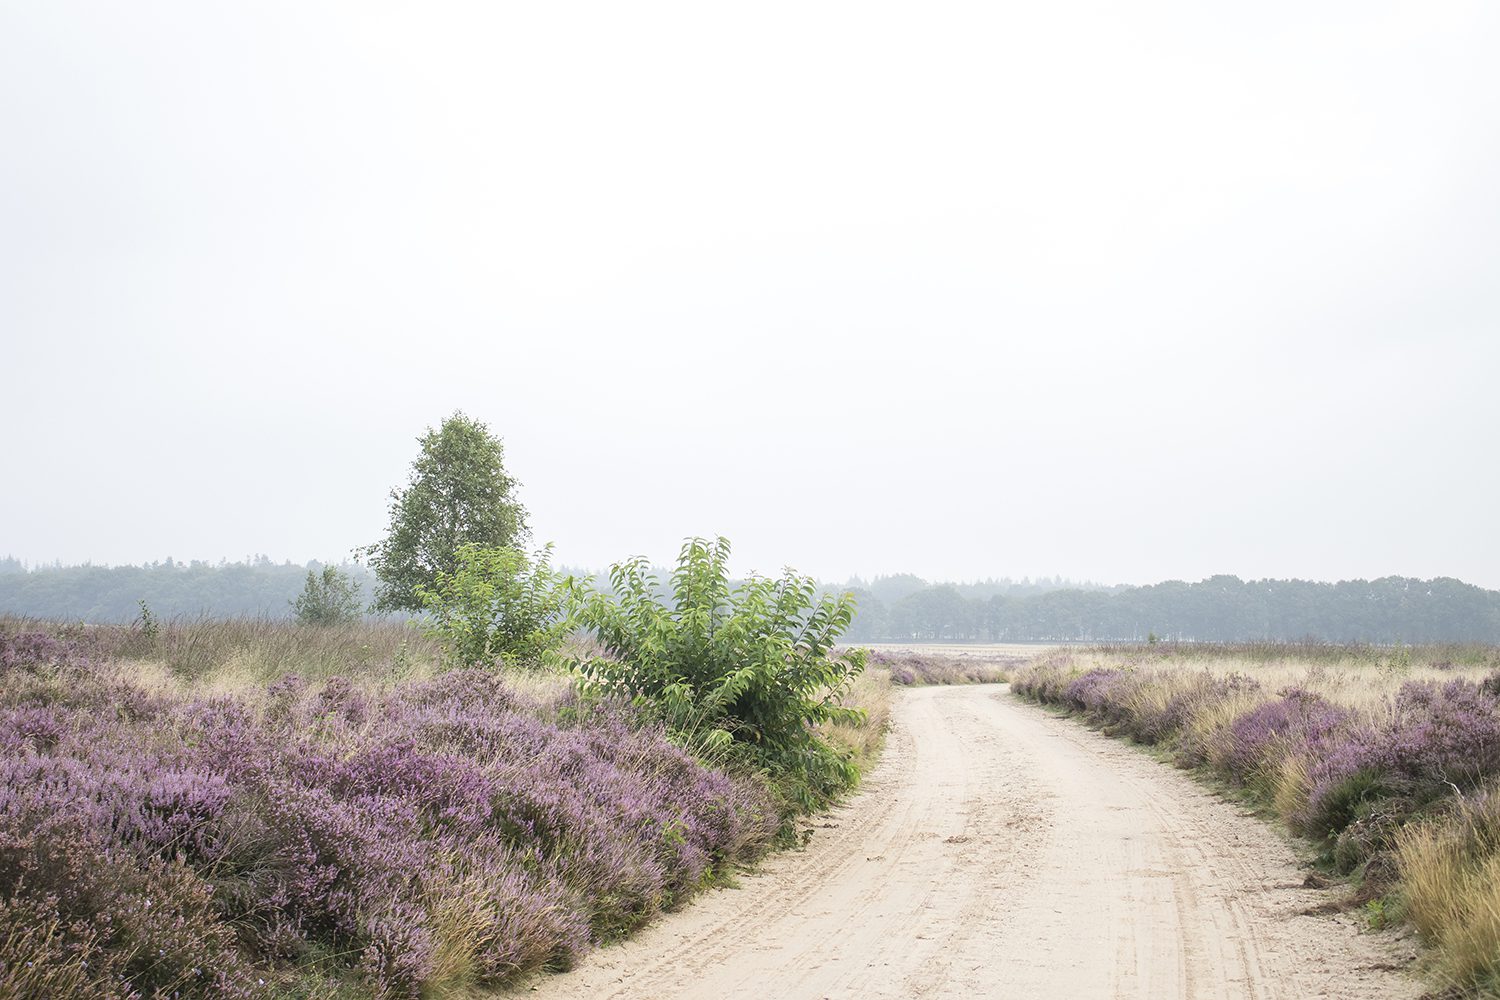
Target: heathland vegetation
(1386, 759)
(531, 762)
(172, 826)
(336, 808)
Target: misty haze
(659, 500)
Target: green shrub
(749, 671)
(331, 598)
(150, 627)
(497, 606)
(1346, 801)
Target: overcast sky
(1124, 292)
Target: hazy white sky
(1116, 291)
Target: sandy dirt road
(998, 851)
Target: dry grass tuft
(872, 693)
(1290, 782)
(1450, 872)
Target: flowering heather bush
(1297, 720)
(1439, 739)
(1188, 714)
(902, 674)
(1096, 691)
(1134, 702)
(445, 833)
(247, 650)
(25, 649)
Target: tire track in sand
(997, 851)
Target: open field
(966, 650)
(998, 852)
(909, 664)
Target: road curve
(998, 851)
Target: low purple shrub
(42, 957)
(1046, 679)
(207, 847)
(1440, 738)
(1120, 699)
(1097, 691)
(132, 926)
(1298, 719)
(31, 649)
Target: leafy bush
(751, 670)
(497, 606)
(331, 598)
(150, 627)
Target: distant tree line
(170, 589)
(900, 608)
(1219, 609)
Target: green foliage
(329, 598)
(459, 493)
(748, 671)
(1341, 804)
(1381, 913)
(150, 627)
(497, 606)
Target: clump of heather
(1098, 691)
(437, 835)
(1297, 720)
(1133, 702)
(1437, 740)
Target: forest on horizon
(895, 608)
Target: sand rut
(997, 851)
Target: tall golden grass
(1450, 877)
